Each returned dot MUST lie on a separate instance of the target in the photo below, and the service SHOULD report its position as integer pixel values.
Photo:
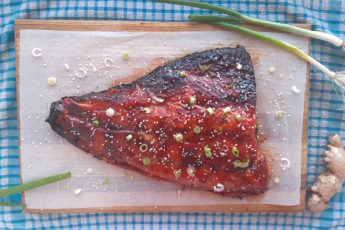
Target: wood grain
(159, 26)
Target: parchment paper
(44, 153)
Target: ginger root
(330, 182)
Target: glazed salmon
(192, 122)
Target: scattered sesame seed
(77, 191)
(110, 112)
(89, 170)
(271, 70)
(295, 89)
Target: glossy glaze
(157, 108)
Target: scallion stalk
(214, 18)
(8, 204)
(34, 184)
(268, 24)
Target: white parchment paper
(44, 153)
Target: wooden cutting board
(150, 44)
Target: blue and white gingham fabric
(326, 111)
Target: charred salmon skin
(192, 122)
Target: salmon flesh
(192, 122)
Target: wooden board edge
(17, 55)
(304, 163)
(84, 25)
(147, 26)
(250, 208)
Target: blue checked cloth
(326, 111)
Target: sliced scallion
(207, 151)
(197, 129)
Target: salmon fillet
(191, 121)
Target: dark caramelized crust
(153, 113)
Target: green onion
(206, 18)
(8, 204)
(279, 114)
(235, 151)
(143, 148)
(34, 184)
(239, 164)
(125, 55)
(207, 151)
(95, 123)
(106, 181)
(182, 74)
(197, 129)
(204, 67)
(146, 161)
(192, 100)
(210, 111)
(227, 110)
(238, 117)
(337, 77)
(178, 137)
(178, 173)
(254, 21)
(129, 137)
(147, 110)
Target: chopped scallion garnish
(178, 137)
(238, 117)
(192, 100)
(204, 67)
(210, 111)
(239, 164)
(143, 148)
(95, 123)
(183, 74)
(146, 161)
(279, 114)
(197, 129)
(207, 151)
(235, 151)
(129, 137)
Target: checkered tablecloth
(326, 111)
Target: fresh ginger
(330, 182)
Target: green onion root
(268, 24)
(34, 184)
